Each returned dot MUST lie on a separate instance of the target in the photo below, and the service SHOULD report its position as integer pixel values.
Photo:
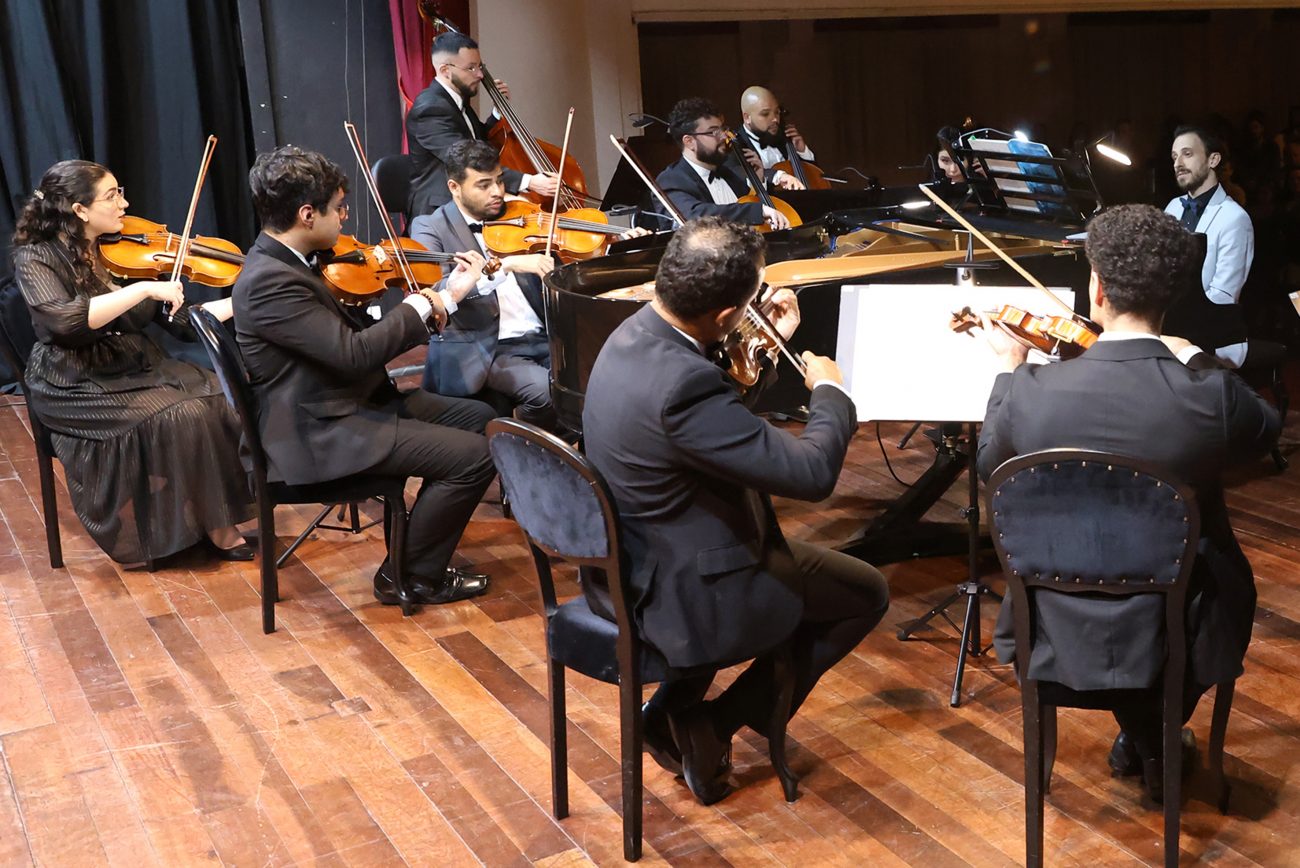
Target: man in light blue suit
(1230, 247)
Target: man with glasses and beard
(701, 183)
(441, 116)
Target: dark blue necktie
(1191, 213)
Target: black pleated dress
(149, 446)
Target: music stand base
(971, 644)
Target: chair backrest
(16, 333)
(564, 507)
(1076, 521)
(228, 365)
(393, 178)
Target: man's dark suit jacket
(325, 405)
(1134, 397)
(691, 469)
(433, 125)
(460, 357)
(687, 190)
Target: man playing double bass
(441, 116)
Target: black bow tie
(476, 228)
(716, 175)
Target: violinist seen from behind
(702, 183)
(442, 115)
(1157, 400)
(326, 407)
(148, 442)
(693, 470)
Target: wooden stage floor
(145, 718)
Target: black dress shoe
(706, 758)
(1153, 769)
(457, 584)
(657, 736)
(1123, 760)
(241, 552)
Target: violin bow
(183, 245)
(965, 224)
(659, 194)
(555, 200)
(403, 265)
(756, 316)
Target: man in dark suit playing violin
(702, 183)
(692, 470)
(496, 334)
(441, 116)
(326, 408)
(1151, 398)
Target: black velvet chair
(393, 178)
(390, 490)
(1071, 522)
(566, 511)
(16, 341)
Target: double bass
(519, 149)
(793, 165)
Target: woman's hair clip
(39, 195)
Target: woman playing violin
(149, 446)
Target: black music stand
(1009, 176)
(952, 440)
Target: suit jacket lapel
(279, 251)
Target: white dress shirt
(719, 190)
(770, 155)
(517, 316)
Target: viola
(519, 149)
(147, 250)
(760, 193)
(754, 341)
(1051, 335)
(358, 273)
(524, 227)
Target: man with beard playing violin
(325, 405)
(692, 470)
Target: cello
(519, 149)
(793, 165)
(760, 193)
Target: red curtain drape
(412, 36)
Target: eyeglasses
(719, 133)
(343, 210)
(116, 194)
(471, 69)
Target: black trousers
(440, 440)
(844, 599)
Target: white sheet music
(902, 362)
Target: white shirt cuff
(421, 304)
(447, 301)
(778, 175)
(833, 385)
(1186, 353)
(806, 154)
(525, 183)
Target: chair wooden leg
(1223, 694)
(1173, 787)
(629, 712)
(1049, 745)
(783, 672)
(559, 740)
(1031, 713)
(50, 507)
(266, 553)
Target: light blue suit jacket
(1230, 246)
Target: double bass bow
(519, 149)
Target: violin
(760, 193)
(519, 149)
(754, 341)
(808, 174)
(147, 250)
(524, 227)
(1059, 336)
(358, 273)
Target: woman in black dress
(148, 443)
